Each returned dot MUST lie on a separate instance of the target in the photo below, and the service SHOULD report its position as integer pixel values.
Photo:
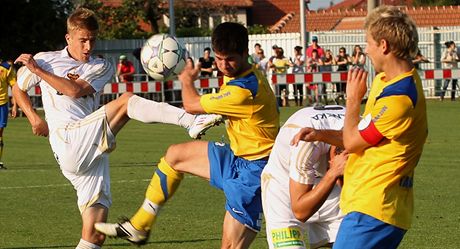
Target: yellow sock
(164, 183)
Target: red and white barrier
(323, 77)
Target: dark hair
(207, 49)
(257, 44)
(230, 37)
(449, 43)
(298, 48)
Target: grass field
(38, 206)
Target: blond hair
(396, 27)
(82, 18)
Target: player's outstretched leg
(163, 185)
(149, 111)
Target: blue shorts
(240, 180)
(3, 115)
(359, 231)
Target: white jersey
(61, 109)
(305, 162)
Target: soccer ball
(163, 57)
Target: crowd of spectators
(316, 59)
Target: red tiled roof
(362, 4)
(326, 20)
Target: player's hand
(28, 61)
(356, 83)
(40, 128)
(306, 134)
(189, 74)
(14, 111)
(337, 164)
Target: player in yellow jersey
(386, 144)
(249, 105)
(7, 78)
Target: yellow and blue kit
(249, 105)
(379, 180)
(7, 78)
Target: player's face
(374, 52)
(81, 43)
(230, 65)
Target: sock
(163, 185)
(83, 244)
(1, 148)
(148, 111)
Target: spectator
(449, 58)
(358, 56)
(298, 67)
(342, 60)
(254, 58)
(206, 63)
(326, 66)
(419, 58)
(7, 78)
(125, 69)
(279, 64)
(313, 64)
(263, 62)
(314, 45)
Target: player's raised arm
(190, 97)
(308, 134)
(72, 88)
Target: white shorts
(284, 230)
(81, 149)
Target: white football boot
(202, 123)
(123, 230)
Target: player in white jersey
(299, 192)
(80, 134)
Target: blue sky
(315, 4)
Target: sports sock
(149, 111)
(83, 244)
(1, 148)
(164, 183)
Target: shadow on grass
(120, 244)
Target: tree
(32, 26)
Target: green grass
(38, 206)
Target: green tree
(31, 26)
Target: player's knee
(171, 155)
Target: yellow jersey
(7, 78)
(252, 114)
(379, 181)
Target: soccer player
(299, 192)
(81, 136)
(249, 104)
(386, 144)
(7, 78)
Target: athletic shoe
(202, 123)
(123, 230)
(2, 166)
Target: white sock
(83, 244)
(148, 111)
